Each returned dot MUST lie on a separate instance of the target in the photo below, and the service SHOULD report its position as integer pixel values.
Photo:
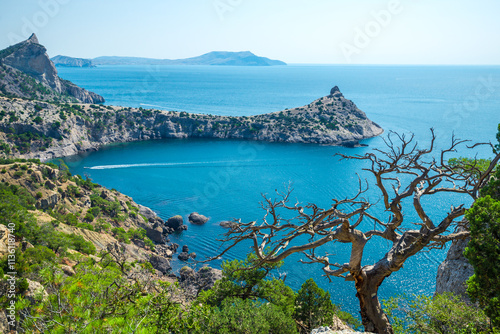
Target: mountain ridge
(217, 58)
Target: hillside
(84, 261)
(26, 71)
(221, 58)
(35, 129)
(80, 207)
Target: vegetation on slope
(16, 84)
(27, 126)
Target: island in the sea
(64, 61)
(221, 58)
(43, 116)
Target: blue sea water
(226, 179)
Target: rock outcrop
(197, 219)
(4, 240)
(227, 224)
(175, 223)
(193, 282)
(160, 263)
(331, 120)
(454, 271)
(30, 58)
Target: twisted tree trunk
(373, 317)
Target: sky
(295, 31)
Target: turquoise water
(225, 179)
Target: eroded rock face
(331, 120)
(31, 57)
(49, 202)
(454, 271)
(160, 263)
(4, 240)
(35, 290)
(155, 234)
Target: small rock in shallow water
(196, 218)
(175, 222)
(184, 256)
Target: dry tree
(404, 175)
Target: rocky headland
(43, 116)
(44, 130)
(26, 71)
(64, 61)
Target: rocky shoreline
(69, 129)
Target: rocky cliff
(34, 129)
(454, 271)
(27, 71)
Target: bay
(226, 179)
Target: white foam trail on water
(152, 105)
(166, 164)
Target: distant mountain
(26, 71)
(64, 61)
(222, 58)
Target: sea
(228, 179)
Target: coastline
(62, 129)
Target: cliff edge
(26, 71)
(43, 130)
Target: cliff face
(454, 271)
(43, 130)
(30, 58)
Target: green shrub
(247, 316)
(89, 217)
(313, 307)
(102, 225)
(95, 211)
(85, 226)
(70, 219)
(483, 252)
(241, 279)
(446, 313)
(120, 235)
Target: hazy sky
(295, 31)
